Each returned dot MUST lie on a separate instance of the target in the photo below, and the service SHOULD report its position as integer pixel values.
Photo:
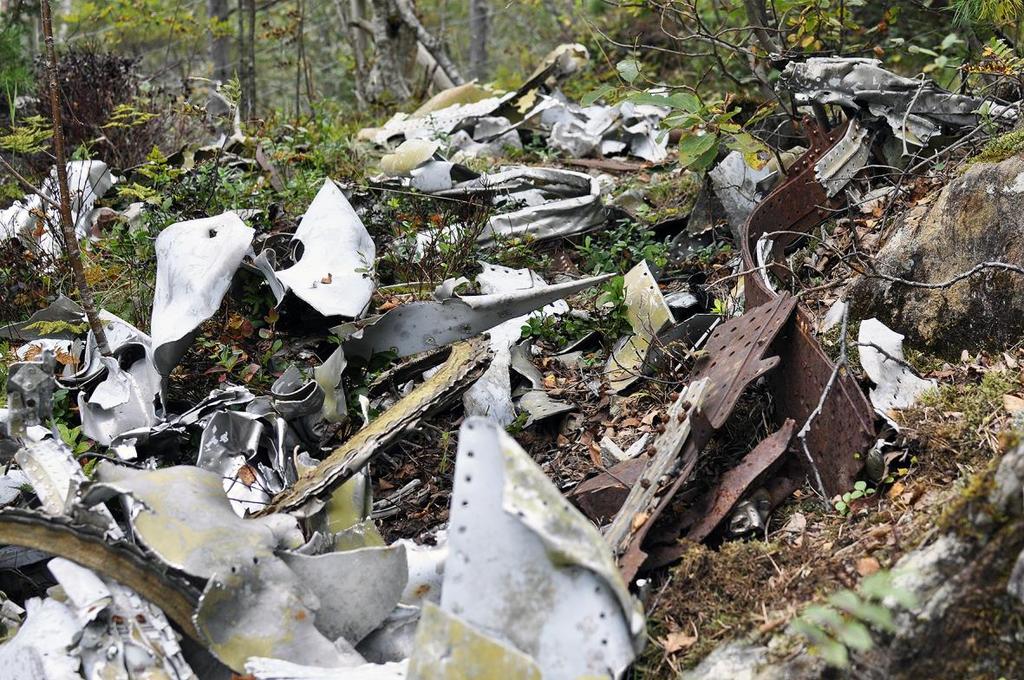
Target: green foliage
(987, 11)
(557, 331)
(973, 404)
(620, 246)
(30, 135)
(860, 490)
(1000, 148)
(128, 116)
(72, 436)
(844, 625)
(15, 71)
(46, 328)
(613, 319)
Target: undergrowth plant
(844, 625)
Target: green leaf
(595, 94)
(860, 485)
(834, 653)
(687, 101)
(823, 616)
(855, 635)
(841, 507)
(629, 69)
(694, 148)
(878, 616)
(755, 152)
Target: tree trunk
(479, 26)
(392, 42)
(67, 224)
(251, 65)
(220, 45)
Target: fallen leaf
(246, 475)
(327, 279)
(867, 566)
(549, 380)
(896, 489)
(677, 641)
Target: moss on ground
(1000, 148)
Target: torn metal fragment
(334, 273)
(29, 394)
(426, 570)
(357, 589)
(914, 109)
(42, 647)
(419, 326)
(196, 261)
(313, 486)
(897, 386)
(127, 398)
(686, 426)
(648, 315)
(601, 496)
(123, 636)
(491, 395)
(95, 550)
(54, 473)
(448, 647)
(735, 481)
(550, 584)
(838, 166)
(260, 607)
(182, 515)
(275, 669)
(229, 446)
(534, 400)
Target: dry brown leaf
(896, 489)
(327, 279)
(246, 475)
(677, 641)
(550, 381)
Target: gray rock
(976, 218)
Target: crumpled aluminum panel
(863, 84)
(334, 274)
(420, 326)
(196, 261)
(260, 607)
(182, 515)
(550, 584)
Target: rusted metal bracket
(736, 356)
(775, 331)
(846, 424)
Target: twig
(906, 114)
(71, 249)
